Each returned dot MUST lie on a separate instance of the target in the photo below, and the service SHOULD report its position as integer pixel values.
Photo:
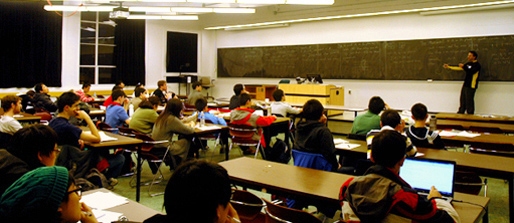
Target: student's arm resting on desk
(265, 120)
(94, 136)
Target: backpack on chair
(279, 152)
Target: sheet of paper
(207, 127)
(339, 141)
(419, 155)
(101, 200)
(445, 133)
(104, 137)
(468, 134)
(106, 216)
(348, 146)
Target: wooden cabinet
(325, 93)
(261, 92)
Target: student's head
(376, 105)
(197, 86)
(120, 83)
(278, 95)
(162, 85)
(312, 110)
(138, 85)
(118, 95)
(201, 104)
(472, 55)
(244, 98)
(238, 88)
(41, 88)
(140, 92)
(11, 102)
(419, 112)
(46, 194)
(31, 93)
(116, 88)
(151, 102)
(68, 102)
(35, 145)
(390, 118)
(198, 191)
(173, 107)
(86, 86)
(388, 148)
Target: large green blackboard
(384, 60)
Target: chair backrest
(496, 150)
(485, 129)
(311, 160)
(127, 131)
(357, 136)
(241, 131)
(456, 127)
(105, 127)
(247, 205)
(280, 214)
(147, 142)
(45, 116)
(189, 108)
(468, 182)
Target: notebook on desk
(422, 174)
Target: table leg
(224, 141)
(138, 174)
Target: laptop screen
(422, 174)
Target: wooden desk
(218, 105)
(223, 131)
(122, 142)
(466, 117)
(465, 124)
(132, 210)
(336, 108)
(27, 118)
(317, 185)
(493, 139)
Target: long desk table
(491, 139)
(222, 130)
(27, 118)
(481, 118)
(465, 124)
(317, 185)
(484, 165)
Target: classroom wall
(443, 96)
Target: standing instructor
(467, 94)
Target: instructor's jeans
(467, 100)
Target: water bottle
(202, 119)
(433, 124)
(131, 110)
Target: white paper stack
(345, 144)
(102, 200)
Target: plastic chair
(495, 150)
(280, 214)
(469, 183)
(105, 127)
(486, 129)
(247, 205)
(124, 131)
(146, 147)
(45, 116)
(311, 160)
(241, 135)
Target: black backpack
(279, 152)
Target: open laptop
(423, 173)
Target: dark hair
(278, 94)
(161, 83)
(38, 87)
(312, 110)
(243, 98)
(27, 142)
(173, 107)
(419, 111)
(200, 104)
(71, 180)
(85, 85)
(475, 54)
(154, 100)
(196, 84)
(390, 118)
(195, 190)
(139, 91)
(8, 100)
(31, 93)
(116, 88)
(238, 88)
(118, 83)
(376, 105)
(67, 98)
(388, 148)
(150, 102)
(117, 93)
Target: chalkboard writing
(381, 60)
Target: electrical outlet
(349, 91)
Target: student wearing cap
(46, 194)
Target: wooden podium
(300, 93)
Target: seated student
(140, 95)
(145, 116)
(391, 120)
(26, 101)
(419, 133)
(72, 135)
(161, 92)
(244, 115)
(116, 113)
(46, 194)
(234, 100)
(391, 199)
(201, 106)
(32, 147)
(195, 94)
(168, 124)
(313, 135)
(369, 120)
(109, 100)
(42, 99)
(198, 192)
(84, 97)
(279, 106)
(11, 105)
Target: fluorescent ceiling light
(191, 9)
(159, 17)
(258, 27)
(149, 9)
(73, 8)
(457, 10)
(233, 10)
(365, 14)
(271, 2)
(212, 1)
(310, 2)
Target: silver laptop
(422, 174)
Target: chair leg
(159, 172)
(259, 148)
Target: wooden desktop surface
(491, 138)
(319, 185)
(466, 117)
(466, 124)
(121, 142)
(26, 117)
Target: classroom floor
(497, 188)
